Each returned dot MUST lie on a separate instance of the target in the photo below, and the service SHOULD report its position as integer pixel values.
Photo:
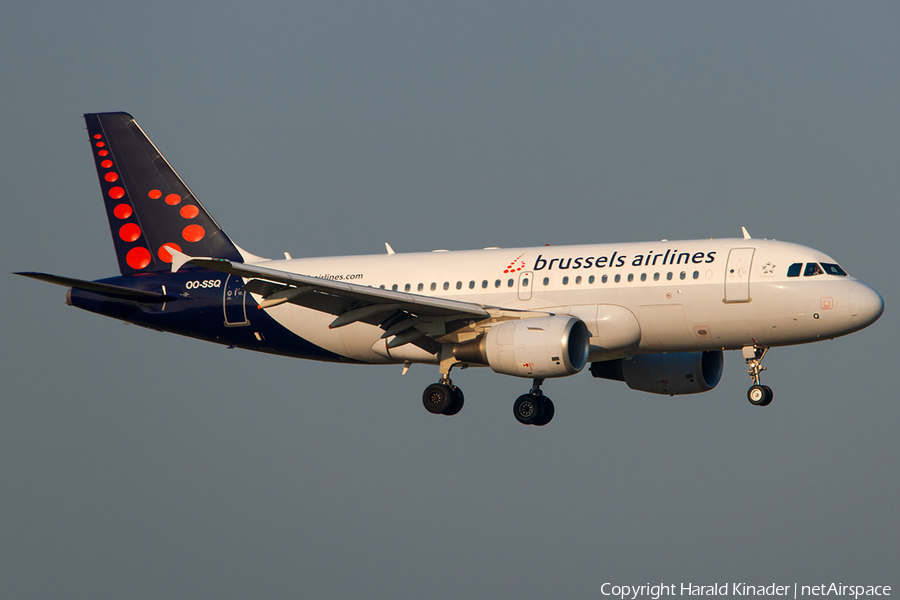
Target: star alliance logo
(768, 268)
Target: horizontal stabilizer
(117, 291)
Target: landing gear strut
(534, 408)
(758, 395)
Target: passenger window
(510, 283)
(446, 285)
(669, 276)
(433, 286)
(497, 283)
(420, 287)
(813, 269)
(459, 285)
(546, 281)
(394, 287)
(472, 285)
(630, 277)
(643, 277)
(591, 279)
(525, 282)
(618, 278)
(407, 287)
(604, 279)
(578, 280)
(696, 274)
(381, 286)
(656, 277)
(484, 284)
(683, 275)
(565, 281)
(794, 270)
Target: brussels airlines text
(651, 259)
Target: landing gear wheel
(549, 411)
(457, 404)
(769, 395)
(529, 409)
(760, 395)
(437, 398)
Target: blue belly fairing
(201, 312)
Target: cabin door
(737, 275)
(233, 302)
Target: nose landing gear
(758, 395)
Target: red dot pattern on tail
(130, 232)
(140, 257)
(123, 211)
(193, 233)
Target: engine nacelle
(542, 347)
(671, 374)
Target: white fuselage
(645, 297)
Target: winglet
(746, 233)
(388, 248)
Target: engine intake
(671, 374)
(542, 347)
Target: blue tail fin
(147, 203)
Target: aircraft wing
(424, 305)
(409, 318)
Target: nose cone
(866, 305)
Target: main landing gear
(534, 408)
(758, 395)
(443, 398)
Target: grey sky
(143, 465)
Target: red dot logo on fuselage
(516, 265)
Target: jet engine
(553, 346)
(675, 373)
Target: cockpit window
(794, 270)
(833, 269)
(813, 269)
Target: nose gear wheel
(758, 395)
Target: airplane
(656, 315)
